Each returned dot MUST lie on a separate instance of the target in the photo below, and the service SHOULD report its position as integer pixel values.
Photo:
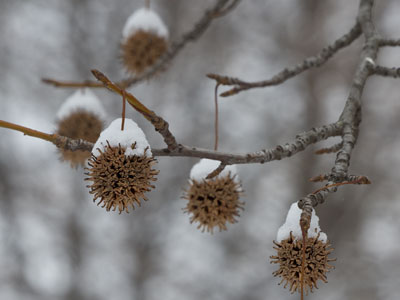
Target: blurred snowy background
(56, 244)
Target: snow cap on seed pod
(213, 202)
(289, 247)
(81, 116)
(144, 40)
(121, 167)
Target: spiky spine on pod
(289, 258)
(80, 124)
(213, 202)
(119, 180)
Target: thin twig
(359, 180)
(58, 140)
(386, 72)
(300, 143)
(72, 84)
(159, 123)
(351, 114)
(279, 152)
(332, 149)
(228, 8)
(28, 131)
(389, 42)
(192, 35)
(216, 117)
(311, 62)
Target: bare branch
(72, 84)
(356, 180)
(228, 8)
(159, 123)
(311, 62)
(58, 140)
(332, 149)
(220, 8)
(301, 142)
(386, 72)
(66, 143)
(351, 114)
(389, 42)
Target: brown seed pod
(80, 124)
(213, 202)
(141, 50)
(289, 258)
(120, 181)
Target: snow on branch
(311, 62)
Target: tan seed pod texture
(289, 257)
(80, 124)
(141, 50)
(120, 181)
(213, 202)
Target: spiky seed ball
(289, 257)
(80, 124)
(119, 180)
(213, 202)
(144, 40)
(141, 50)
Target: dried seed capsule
(289, 247)
(213, 202)
(80, 117)
(121, 167)
(144, 40)
(289, 257)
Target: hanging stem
(216, 117)
(303, 260)
(147, 4)
(123, 109)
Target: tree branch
(351, 114)
(389, 42)
(159, 123)
(220, 8)
(332, 149)
(301, 142)
(311, 62)
(58, 140)
(386, 72)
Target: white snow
(206, 166)
(82, 99)
(147, 20)
(115, 136)
(292, 224)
